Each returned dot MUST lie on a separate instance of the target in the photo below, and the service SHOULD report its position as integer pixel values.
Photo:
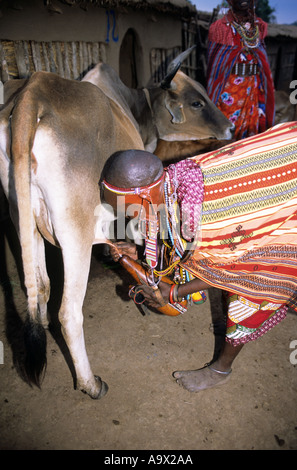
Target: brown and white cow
(61, 134)
(55, 137)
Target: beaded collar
(247, 30)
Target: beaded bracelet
(171, 300)
(173, 294)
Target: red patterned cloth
(249, 318)
(221, 32)
(248, 240)
(242, 102)
(247, 101)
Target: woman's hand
(118, 249)
(153, 299)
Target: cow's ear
(176, 110)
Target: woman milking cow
(228, 220)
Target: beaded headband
(144, 192)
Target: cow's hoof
(102, 386)
(103, 389)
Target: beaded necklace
(175, 244)
(248, 31)
(250, 41)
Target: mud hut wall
(68, 43)
(154, 31)
(282, 54)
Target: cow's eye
(197, 104)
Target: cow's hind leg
(76, 271)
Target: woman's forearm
(192, 286)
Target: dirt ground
(144, 408)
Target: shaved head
(132, 169)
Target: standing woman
(239, 79)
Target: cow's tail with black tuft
(23, 128)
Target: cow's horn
(174, 66)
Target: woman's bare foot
(201, 379)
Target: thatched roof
(282, 30)
(181, 7)
(135, 3)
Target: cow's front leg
(76, 269)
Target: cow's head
(183, 111)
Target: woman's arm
(183, 290)
(192, 286)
